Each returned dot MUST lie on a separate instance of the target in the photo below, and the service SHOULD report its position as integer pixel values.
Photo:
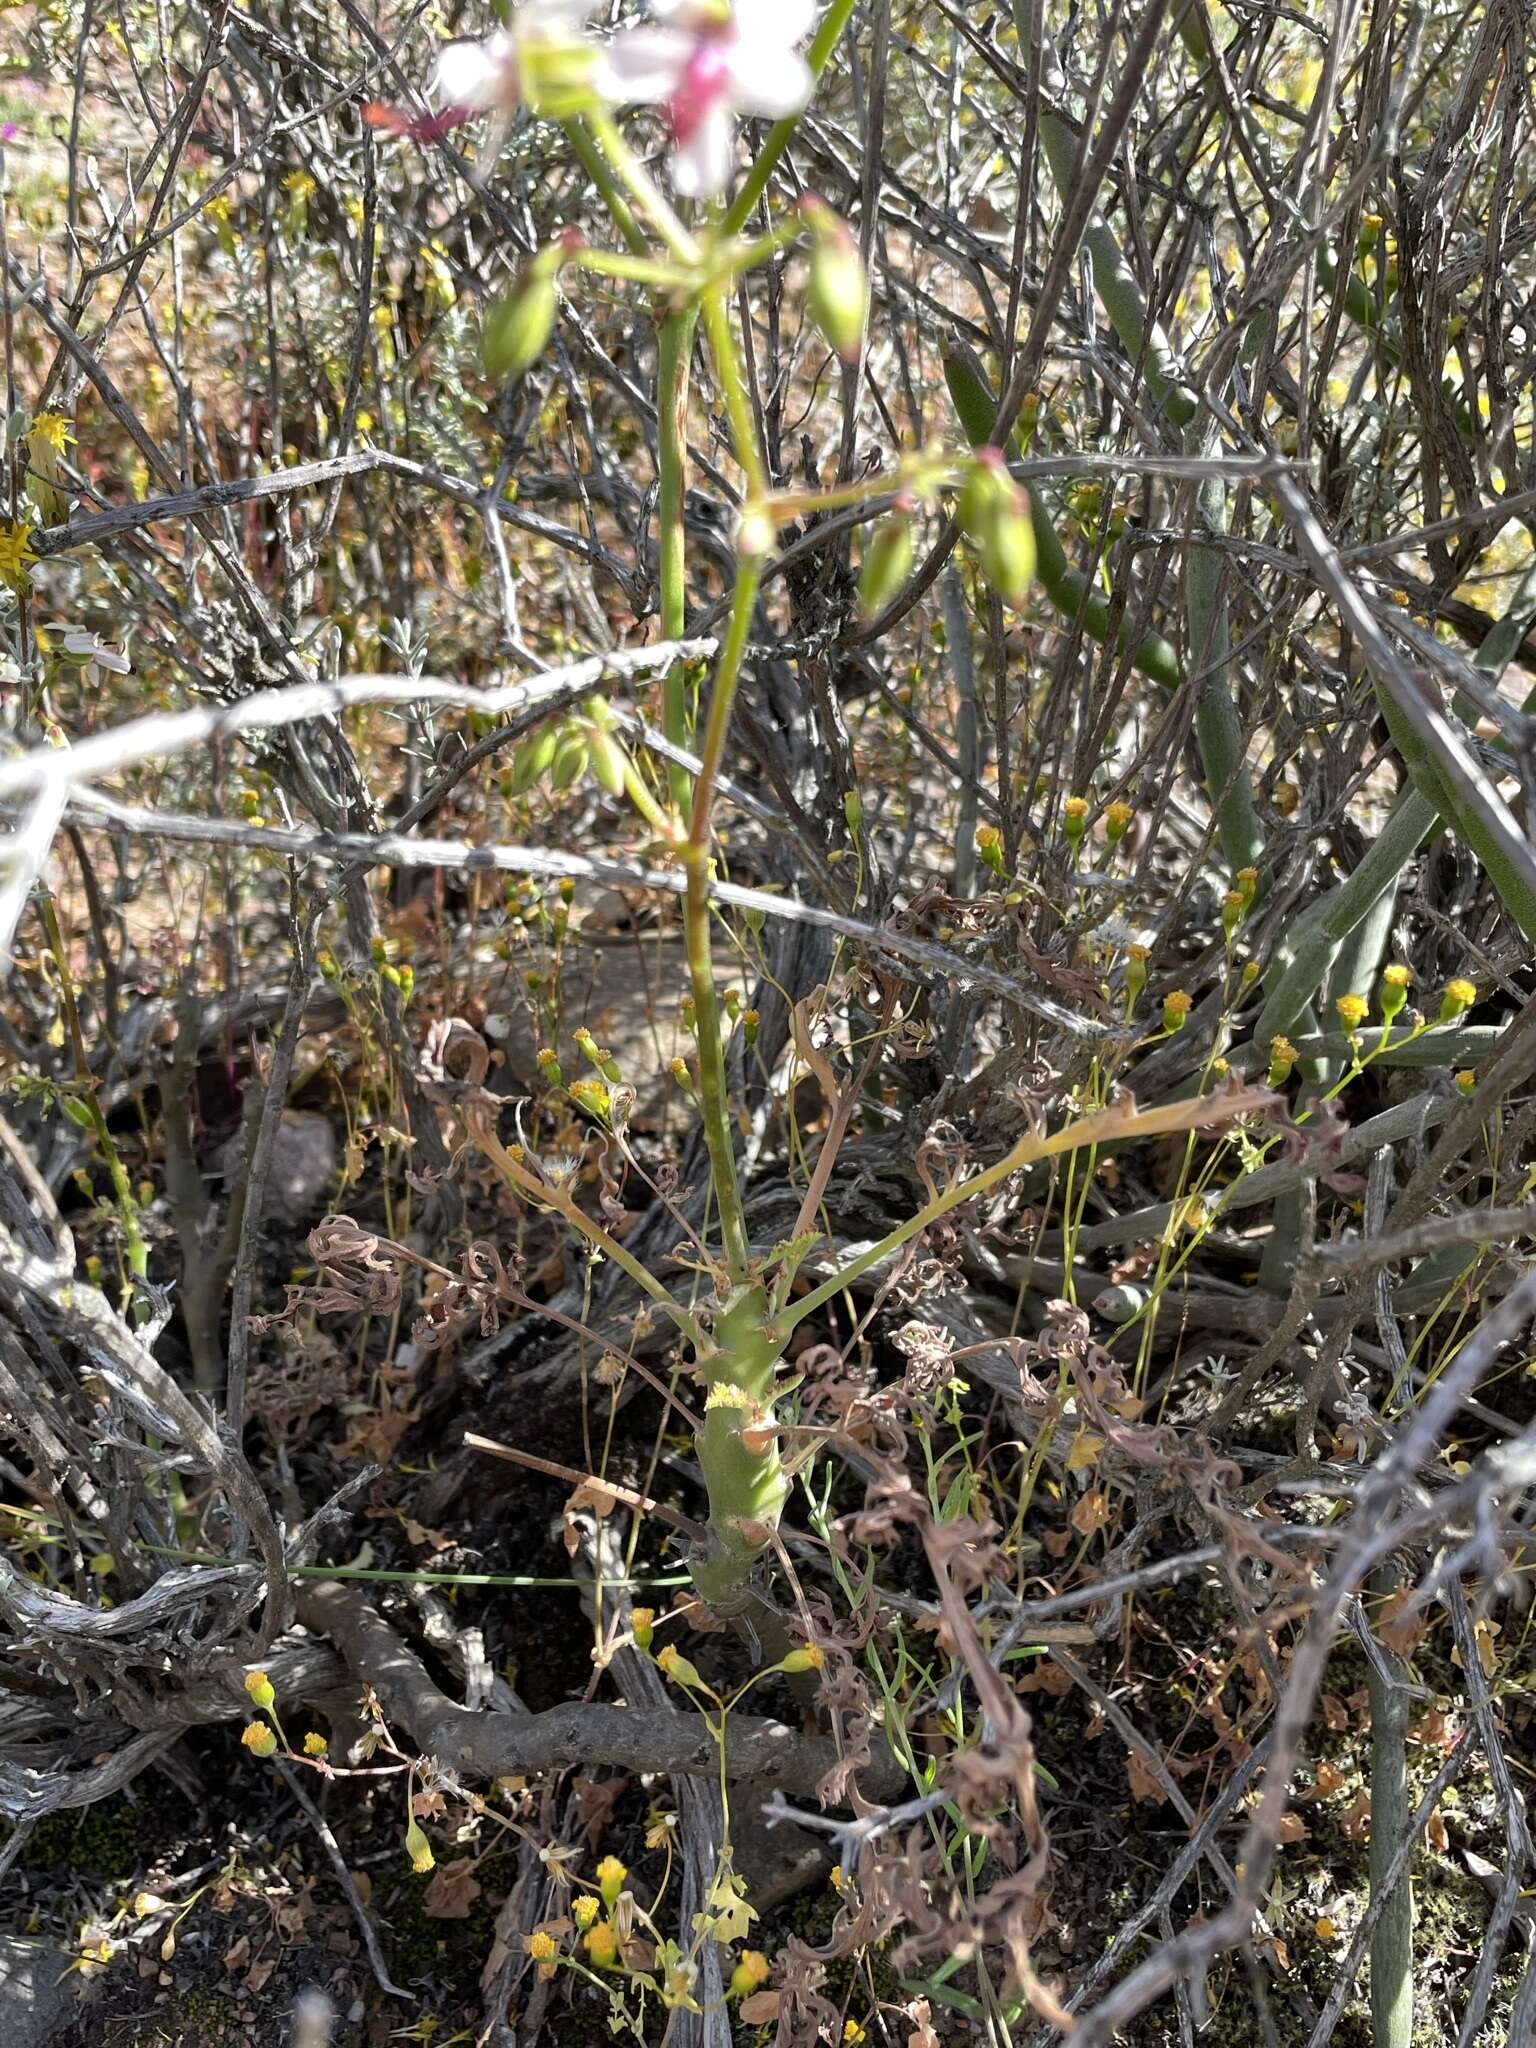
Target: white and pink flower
(493, 74)
(703, 63)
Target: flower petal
(478, 75)
(778, 21)
(643, 64)
(701, 166)
(767, 77)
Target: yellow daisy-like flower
(16, 552)
(585, 1911)
(542, 1947)
(1353, 1011)
(1397, 975)
(1459, 995)
(53, 430)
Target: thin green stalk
(1109, 1126)
(713, 1093)
(674, 351)
(595, 164)
(643, 190)
(781, 134)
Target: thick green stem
(738, 1451)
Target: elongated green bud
(518, 326)
(994, 516)
(839, 288)
(887, 564)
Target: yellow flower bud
(642, 1622)
(259, 1738)
(419, 1849)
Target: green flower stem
(595, 164)
(666, 277)
(781, 134)
(746, 1481)
(642, 188)
(1067, 588)
(674, 350)
(713, 1094)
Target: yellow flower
(1282, 1057)
(1397, 976)
(53, 430)
(601, 1944)
(1117, 819)
(259, 1686)
(1247, 880)
(16, 552)
(989, 844)
(419, 1849)
(1466, 1080)
(315, 1745)
(1459, 995)
(1177, 1005)
(258, 1738)
(810, 1657)
(1352, 1011)
(750, 1971)
(642, 1622)
(853, 2033)
(584, 1911)
(542, 1947)
(611, 1874)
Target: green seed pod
(994, 516)
(609, 760)
(886, 565)
(839, 289)
(570, 760)
(532, 760)
(518, 326)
